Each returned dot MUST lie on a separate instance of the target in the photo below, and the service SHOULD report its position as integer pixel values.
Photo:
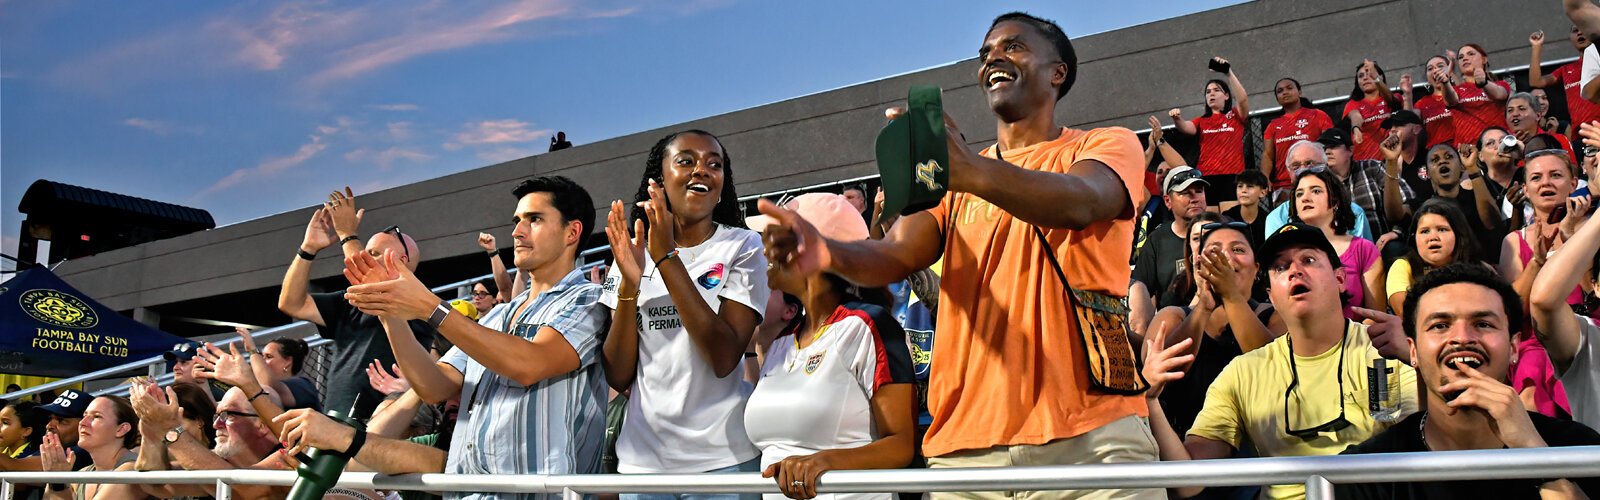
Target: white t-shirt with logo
(820, 397)
(681, 417)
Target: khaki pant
(1127, 439)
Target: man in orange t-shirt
(1010, 382)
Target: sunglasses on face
(1335, 425)
(395, 230)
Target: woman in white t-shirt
(686, 293)
(835, 393)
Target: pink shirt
(1356, 259)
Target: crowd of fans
(1373, 286)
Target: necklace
(1422, 430)
(794, 355)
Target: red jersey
(1437, 121)
(1221, 143)
(1476, 111)
(1306, 124)
(1373, 111)
(1580, 110)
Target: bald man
(358, 338)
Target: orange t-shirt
(1008, 367)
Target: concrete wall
(1125, 75)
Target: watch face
(172, 435)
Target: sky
(248, 109)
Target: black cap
(181, 352)
(1334, 137)
(1297, 234)
(1402, 117)
(69, 404)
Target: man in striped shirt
(532, 392)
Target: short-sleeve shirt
(1000, 299)
(681, 417)
(555, 426)
(358, 338)
(1591, 66)
(1304, 125)
(1279, 217)
(1406, 436)
(819, 397)
(1438, 122)
(1373, 111)
(1221, 143)
(1578, 108)
(1246, 402)
(1580, 377)
(1159, 260)
(1399, 278)
(1475, 111)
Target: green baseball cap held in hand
(913, 157)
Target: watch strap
(438, 316)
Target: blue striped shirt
(556, 426)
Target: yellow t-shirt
(1247, 400)
(1399, 279)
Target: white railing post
(224, 492)
(5, 489)
(570, 494)
(1318, 488)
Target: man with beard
(999, 295)
(1461, 319)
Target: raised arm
(1154, 141)
(1553, 320)
(719, 335)
(1241, 98)
(229, 367)
(913, 243)
(620, 353)
(1394, 206)
(1181, 125)
(1162, 365)
(1488, 206)
(294, 296)
(1536, 76)
(404, 298)
(497, 268)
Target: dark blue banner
(47, 328)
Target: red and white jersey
(820, 397)
(1475, 111)
(1373, 111)
(1437, 120)
(1306, 124)
(1578, 108)
(1221, 143)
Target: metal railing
(1319, 474)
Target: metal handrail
(1319, 473)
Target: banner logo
(58, 309)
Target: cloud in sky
(272, 167)
(398, 106)
(317, 44)
(494, 132)
(158, 127)
(387, 158)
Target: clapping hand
(1163, 365)
(386, 382)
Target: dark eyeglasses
(1544, 152)
(1334, 425)
(481, 294)
(228, 416)
(395, 230)
(1232, 224)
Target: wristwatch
(173, 435)
(439, 313)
